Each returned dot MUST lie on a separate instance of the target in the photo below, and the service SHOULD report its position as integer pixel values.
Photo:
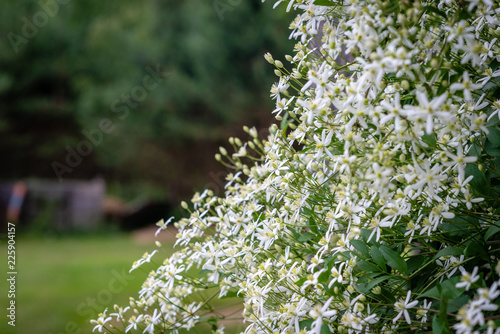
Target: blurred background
(110, 115)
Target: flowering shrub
(374, 207)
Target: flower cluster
(374, 206)
(471, 315)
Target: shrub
(374, 207)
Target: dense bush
(374, 207)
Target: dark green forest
(140, 93)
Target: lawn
(64, 282)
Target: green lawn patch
(62, 283)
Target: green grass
(62, 283)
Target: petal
(407, 317)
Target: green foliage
(80, 66)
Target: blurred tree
(154, 86)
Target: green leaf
(455, 304)
(301, 281)
(378, 257)
(306, 324)
(284, 124)
(306, 236)
(387, 295)
(394, 260)
(432, 293)
(438, 326)
(325, 329)
(495, 64)
(474, 248)
(415, 262)
(497, 164)
(479, 181)
(365, 234)
(494, 229)
(464, 14)
(494, 136)
(376, 281)
(430, 140)
(449, 290)
(492, 149)
(360, 246)
(367, 266)
(475, 150)
(205, 271)
(212, 321)
(442, 326)
(455, 251)
(324, 277)
(324, 3)
(435, 10)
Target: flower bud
(253, 133)
(296, 74)
(405, 84)
(269, 58)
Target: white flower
(100, 322)
(383, 130)
(461, 32)
(393, 111)
(403, 305)
(466, 86)
(426, 110)
(323, 143)
(133, 322)
(422, 312)
(432, 177)
(467, 279)
(489, 294)
(119, 314)
(162, 225)
(460, 160)
(318, 313)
